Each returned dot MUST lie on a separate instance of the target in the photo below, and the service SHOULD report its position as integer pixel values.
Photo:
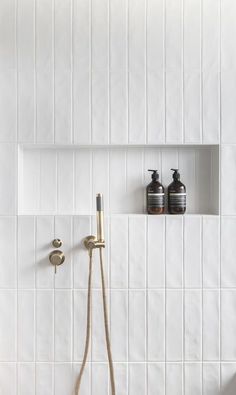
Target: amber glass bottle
(176, 195)
(155, 195)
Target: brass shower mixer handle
(56, 258)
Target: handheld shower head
(100, 217)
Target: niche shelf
(63, 180)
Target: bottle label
(156, 200)
(177, 199)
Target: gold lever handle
(56, 258)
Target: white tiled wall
(132, 72)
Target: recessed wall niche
(61, 180)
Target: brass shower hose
(88, 329)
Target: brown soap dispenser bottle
(176, 195)
(155, 195)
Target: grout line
(128, 79)
(202, 297)
(183, 301)
(91, 70)
(183, 74)
(72, 71)
(220, 197)
(164, 59)
(35, 73)
(201, 70)
(146, 75)
(53, 67)
(165, 304)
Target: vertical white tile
(137, 325)
(44, 325)
(8, 326)
(228, 96)
(8, 378)
(156, 378)
(187, 168)
(228, 325)
(100, 174)
(63, 325)
(29, 191)
(228, 379)
(211, 379)
(137, 379)
(63, 378)
(192, 252)
(211, 252)
(118, 35)
(98, 335)
(48, 181)
(100, 78)
(44, 379)
(156, 325)
(210, 35)
(228, 30)
(174, 325)
(62, 53)
(44, 238)
(83, 181)
(119, 251)
(26, 326)
(192, 35)
(44, 72)
(193, 325)
(134, 182)
(8, 178)
(169, 159)
(26, 72)
(193, 379)
(63, 231)
(137, 252)
(204, 182)
(121, 376)
(85, 387)
(174, 107)
(81, 72)
(100, 379)
(156, 252)
(8, 72)
(211, 325)
(26, 252)
(210, 107)
(192, 107)
(137, 83)
(119, 327)
(228, 182)
(174, 252)
(174, 381)
(228, 249)
(65, 181)
(26, 379)
(174, 34)
(8, 252)
(81, 229)
(117, 181)
(79, 320)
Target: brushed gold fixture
(92, 242)
(57, 243)
(56, 258)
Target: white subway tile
(137, 252)
(100, 379)
(193, 325)
(169, 159)
(79, 321)
(137, 326)
(44, 379)
(134, 181)
(85, 387)
(137, 379)
(174, 325)
(48, 181)
(228, 30)
(211, 325)
(156, 252)
(228, 380)
(210, 35)
(119, 327)
(156, 379)
(117, 181)
(26, 379)
(192, 107)
(211, 252)
(192, 35)
(63, 378)
(8, 178)
(98, 334)
(44, 326)
(63, 231)
(193, 379)
(211, 379)
(63, 325)
(174, 107)
(8, 252)
(119, 107)
(26, 251)
(44, 238)
(228, 97)
(81, 72)
(7, 52)
(174, 34)
(65, 181)
(174, 379)
(228, 182)
(81, 229)
(155, 99)
(62, 69)
(155, 35)
(228, 250)
(83, 195)
(118, 35)
(192, 252)
(8, 378)
(8, 324)
(121, 377)
(174, 252)
(228, 325)
(29, 191)
(100, 106)
(26, 325)
(156, 326)
(44, 72)
(210, 107)
(137, 107)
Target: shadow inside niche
(230, 387)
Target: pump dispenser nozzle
(176, 175)
(155, 175)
